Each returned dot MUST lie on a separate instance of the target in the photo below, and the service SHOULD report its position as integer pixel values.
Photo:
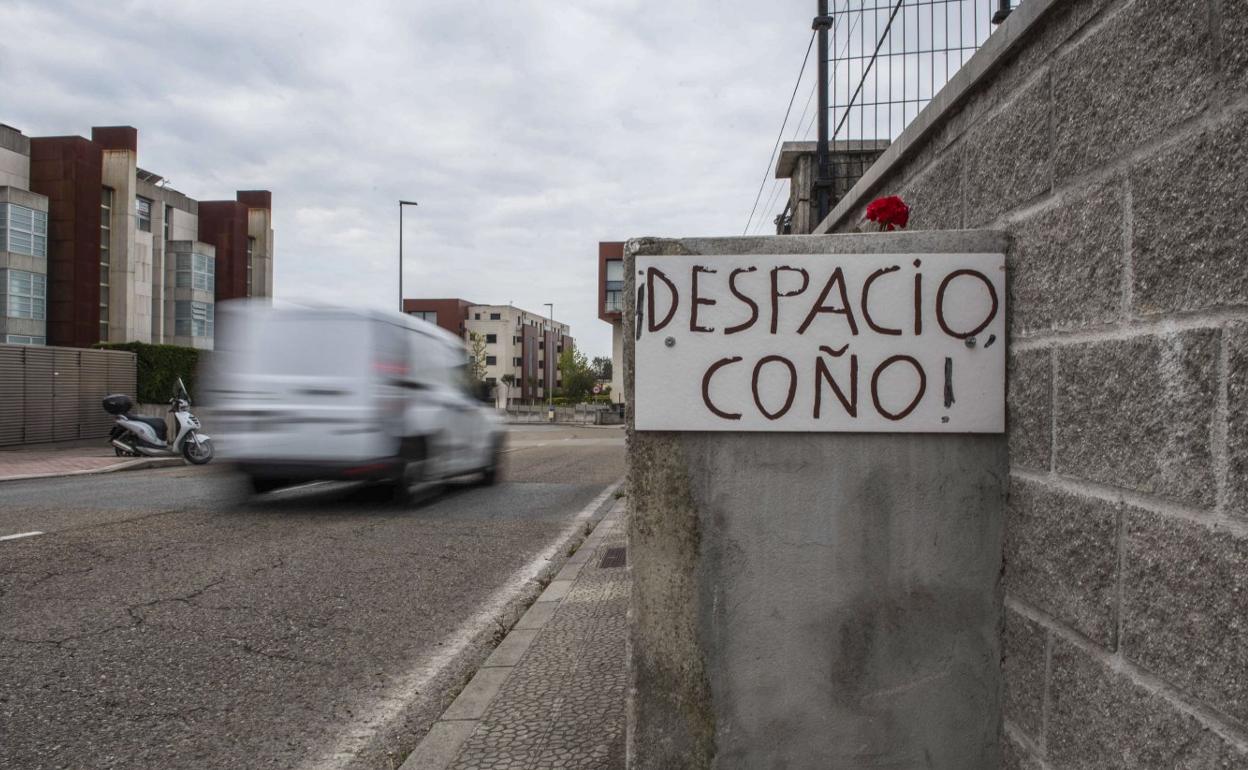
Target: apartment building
(520, 346)
(611, 308)
(23, 246)
(97, 249)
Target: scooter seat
(157, 423)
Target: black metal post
(550, 383)
(823, 171)
(401, 205)
(400, 256)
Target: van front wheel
(489, 476)
(419, 478)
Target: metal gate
(54, 394)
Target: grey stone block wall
(1112, 144)
(1024, 660)
(1138, 413)
(1131, 81)
(1067, 265)
(1061, 555)
(1100, 718)
(1029, 408)
(1009, 159)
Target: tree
(577, 375)
(602, 367)
(476, 366)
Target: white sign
(904, 343)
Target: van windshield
(311, 345)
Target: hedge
(159, 367)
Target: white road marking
(518, 448)
(373, 718)
(306, 486)
(20, 535)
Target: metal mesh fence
(886, 60)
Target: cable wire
(780, 136)
(836, 61)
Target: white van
(323, 393)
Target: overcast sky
(528, 131)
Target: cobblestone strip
(552, 694)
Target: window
(476, 316)
(26, 294)
(496, 316)
(614, 301)
(491, 338)
(251, 249)
(195, 271)
(168, 221)
(22, 339)
(541, 345)
(23, 230)
(106, 233)
(193, 319)
(491, 360)
(144, 207)
(515, 362)
(491, 380)
(425, 315)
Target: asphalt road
(163, 621)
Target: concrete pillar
(813, 600)
(130, 267)
(797, 163)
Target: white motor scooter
(134, 435)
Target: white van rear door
(310, 377)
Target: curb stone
(374, 739)
(442, 745)
(129, 465)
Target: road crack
(245, 646)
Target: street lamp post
(401, 205)
(550, 388)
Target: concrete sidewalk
(552, 694)
(74, 458)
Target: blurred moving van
(324, 393)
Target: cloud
(527, 130)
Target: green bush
(158, 368)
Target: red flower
(889, 213)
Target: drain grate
(614, 557)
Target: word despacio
(870, 327)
